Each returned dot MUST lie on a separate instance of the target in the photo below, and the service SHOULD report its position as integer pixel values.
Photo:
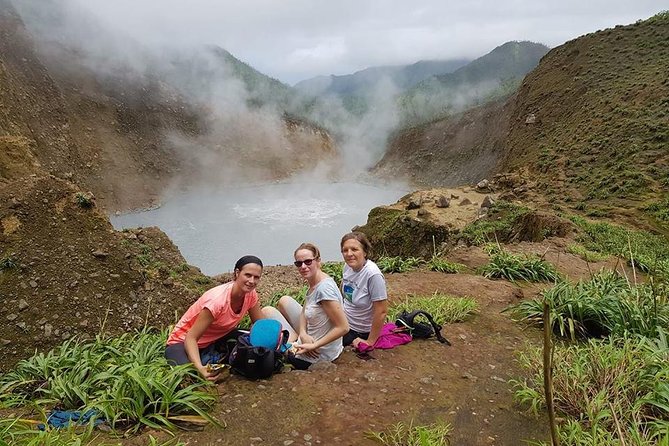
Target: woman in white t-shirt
(364, 290)
(317, 328)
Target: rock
(307, 437)
(288, 442)
(48, 330)
(100, 254)
(11, 317)
(255, 439)
(531, 118)
(483, 185)
(454, 197)
(32, 284)
(465, 202)
(41, 321)
(22, 325)
(5, 342)
(23, 304)
(442, 202)
(488, 201)
(413, 204)
(423, 212)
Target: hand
(357, 341)
(309, 350)
(208, 374)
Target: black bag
(420, 330)
(254, 362)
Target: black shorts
(352, 334)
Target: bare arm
(255, 312)
(203, 321)
(379, 313)
(340, 327)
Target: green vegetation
(659, 210)
(402, 435)
(8, 262)
(504, 265)
(84, 200)
(605, 305)
(444, 266)
(610, 371)
(334, 270)
(645, 251)
(497, 226)
(444, 308)
(125, 380)
(398, 264)
(585, 254)
(609, 392)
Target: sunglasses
(307, 262)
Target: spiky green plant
(125, 379)
(605, 304)
(444, 308)
(504, 265)
(398, 264)
(444, 266)
(400, 434)
(608, 392)
(8, 262)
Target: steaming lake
(214, 229)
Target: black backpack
(420, 330)
(254, 362)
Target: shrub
(604, 390)
(85, 200)
(504, 265)
(497, 224)
(334, 270)
(606, 304)
(126, 380)
(8, 262)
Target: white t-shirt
(318, 323)
(360, 289)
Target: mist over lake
(212, 229)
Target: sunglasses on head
(307, 262)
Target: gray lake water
(214, 229)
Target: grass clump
(443, 307)
(7, 263)
(125, 380)
(398, 264)
(504, 265)
(84, 200)
(609, 392)
(444, 266)
(645, 251)
(586, 254)
(497, 225)
(401, 434)
(604, 305)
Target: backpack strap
(437, 328)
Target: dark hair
(361, 238)
(311, 247)
(246, 260)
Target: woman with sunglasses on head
(213, 318)
(364, 291)
(315, 329)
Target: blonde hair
(311, 247)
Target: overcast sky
(293, 40)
